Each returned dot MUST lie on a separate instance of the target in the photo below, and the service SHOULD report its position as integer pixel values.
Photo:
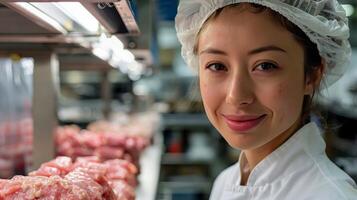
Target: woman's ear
(313, 80)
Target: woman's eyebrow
(254, 51)
(213, 51)
(266, 48)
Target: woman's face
(251, 75)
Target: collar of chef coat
(290, 157)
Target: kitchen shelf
(181, 159)
(184, 190)
(185, 120)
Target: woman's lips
(243, 122)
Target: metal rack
(53, 48)
(30, 34)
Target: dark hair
(312, 58)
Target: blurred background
(68, 69)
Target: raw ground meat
(73, 142)
(61, 179)
(42, 188)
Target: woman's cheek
(210, 100)
(206, 94)
(285, 102)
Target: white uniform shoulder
(334, 183)
(223, 180)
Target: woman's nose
(239, 90)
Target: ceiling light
(101, 53)
(349, 9)
(126, 56)
(79, 14)
(31, 9)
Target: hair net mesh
(323, 21)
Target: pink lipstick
(243, 123)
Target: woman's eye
(216, 67)
(266, 66)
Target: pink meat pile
(85, 179)
(73, 142)
(15, 146)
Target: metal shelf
(116, 16)
(185, 120)
(182, 159)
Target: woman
(259, 65)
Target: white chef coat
(298, 169)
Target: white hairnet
(323, 21)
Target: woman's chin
(242, 145)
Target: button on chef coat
(298, 169)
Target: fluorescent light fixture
(131, 68)
(349, 9)
(134, 77)
(123, 68)
(112, 43)
(101, 53)
(115, 61)
(136, 67)
(135, 70)
(116, 43)
(41, 15)
(79, 14)
(112, 50)
(126, 56)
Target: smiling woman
(255, 98)
(252, 85)
(259, 66)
